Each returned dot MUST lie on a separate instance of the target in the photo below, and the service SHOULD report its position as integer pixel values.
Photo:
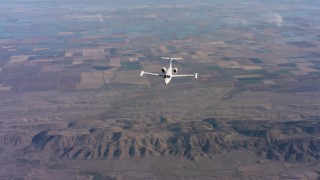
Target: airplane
(169, 73)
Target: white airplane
(169, 73)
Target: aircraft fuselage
(168, 74)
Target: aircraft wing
(148, 73)
(186, 75)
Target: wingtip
(142, 72)
(196, 75)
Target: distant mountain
(289, 141)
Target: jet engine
(163, 70)
(175, 70)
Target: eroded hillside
(289, 141)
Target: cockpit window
(166, 76)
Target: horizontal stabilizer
(171, 58)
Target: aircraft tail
(168, 58)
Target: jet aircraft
(170, 72)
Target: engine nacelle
(163, 70)
(175, 70)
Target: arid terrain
(73, 106)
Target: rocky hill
(290, 141)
